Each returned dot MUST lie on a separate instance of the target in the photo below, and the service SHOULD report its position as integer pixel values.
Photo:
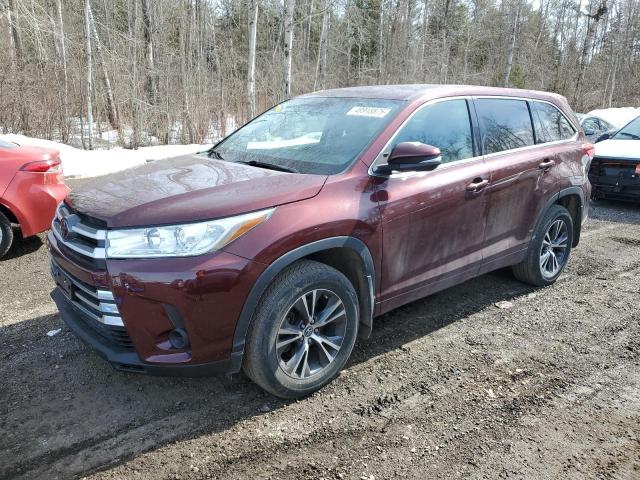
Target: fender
(270, 273)
(565, 192)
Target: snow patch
(92, 163)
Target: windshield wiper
(632, 135)
(270, 166)
(212, 152)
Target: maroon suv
(275, 249)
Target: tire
(301, 363)
(533, 269)
(6, 235)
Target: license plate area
(65, 284)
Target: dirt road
(448, 387)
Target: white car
(615, 169)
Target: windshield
(630, 132)
(309, 135)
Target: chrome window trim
(530, 147)
(374, 164)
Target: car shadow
(61, 400)
(23, 246)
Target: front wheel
(549, 249)
(303, 330)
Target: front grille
(97, 307)
(80, 237)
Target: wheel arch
(572, 198)
(9, 213)
(346, 254)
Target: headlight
(181, 240)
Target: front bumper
(128, 360)
(126, 309)
(615, 179)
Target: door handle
(477, 185)
(546, 164)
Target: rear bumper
(128, 360)
(34, 204)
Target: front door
(433, 222)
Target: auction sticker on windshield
(376, 112)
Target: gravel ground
(447, 387)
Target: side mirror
(604, 136)
(589, 131)
(412, 156)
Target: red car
(31, 186)
(273, 251)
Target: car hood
(619, 149)
(188, 189)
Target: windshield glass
(310, 135)
(630, 132)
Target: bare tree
(321, 63)
(251, 59)
(88, 66)
(512, 45)
(147, 24)
(112, 113)
(288, 45)
(12, 15)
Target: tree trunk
(147, 27)
(187, 122)
(112, 113)
(381, 43)
(288, 45)
(592, 23)
(321, 63)
(251, 59)
(15, 32)
(512, 47)
(89, 92)
(63, 52)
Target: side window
(445, 125)
(591, 124)
(505, 124)
(554, 124)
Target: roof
(417, 91)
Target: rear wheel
(549, 249)
(303, 330)
(6, 235)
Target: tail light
(638, 169)
(42, 166)
(589, 149)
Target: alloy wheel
(311, 334)
(555, 247)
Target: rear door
(433, 222)
(522, 174)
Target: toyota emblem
(64, 228)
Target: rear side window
(552, 125)
(445, 125)
(505, 124)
